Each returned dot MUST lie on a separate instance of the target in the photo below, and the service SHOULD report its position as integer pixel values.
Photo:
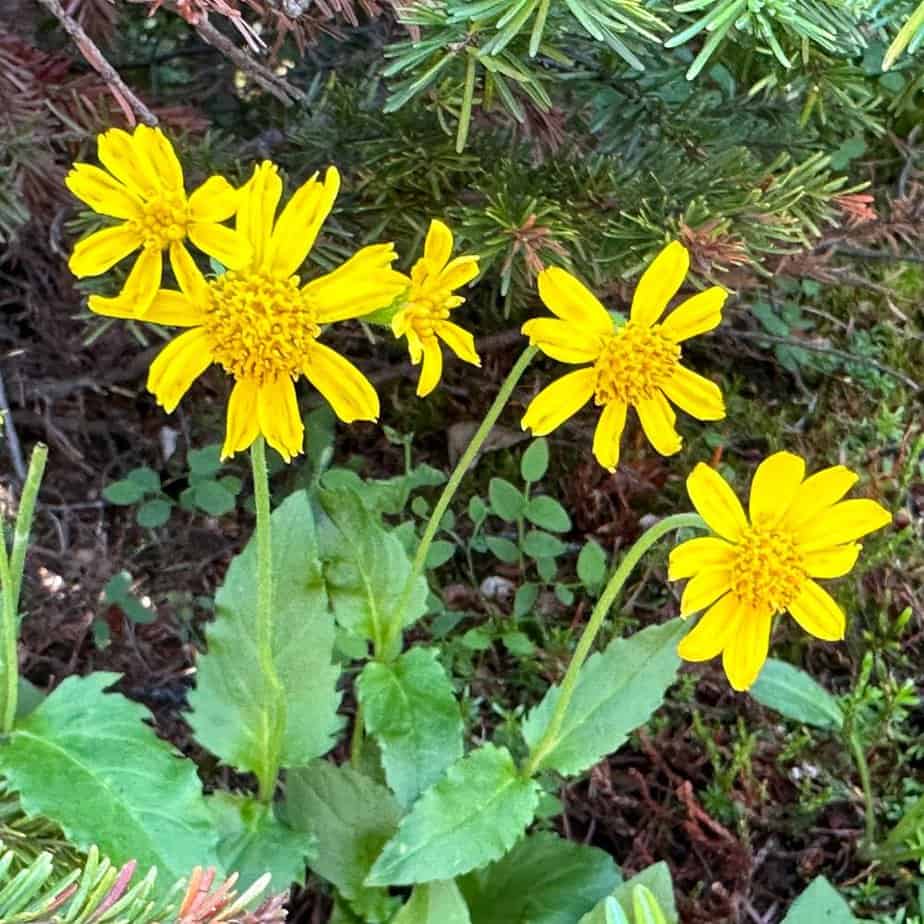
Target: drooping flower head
(262, 324)
(636, 364)
(424, 318)
(763, 564)
(144, 187)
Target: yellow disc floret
(767, 569)
(164, 218)
(260, 328)
(635, 361)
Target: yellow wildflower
(758, 566)
(144, 187)
(261, 324)
(429, 300)
(635, 364)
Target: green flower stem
(383, 650)
(275, 709)
(869, 812)
(12, 565)
(585, 643)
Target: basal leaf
(616, 692)
(88, 761)
(655, 878)
(434, 903)
(819, 904)
(351, 815)
(235, 714)
(543, 880)
(471, 816)
(789, 690)
(410, 707)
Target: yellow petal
(711, 634)
(102, 250)
(177, 366)
(608, 434)
(215, 200)
(746, 648)
(658, 420)
(243, 425)
(361, 285)
(815, 610)
(140, 289)
(256, 210)
(695, 316)
(432, 369)
(572, 301)
(400, 323)
(563, 341)
(460, 341)
(280, 421)
(843, 522)
(833, 562)
(559, 401)
(414, 346)
(191, 280)
(228, 247)
(460, 271)
(774, 486)
(102, 193)
(438, 246)
(696, 554)
(128, 162)
(300, 223)
(694, 394)
(347, 390)
(159, 151)
(716, 503)
(704, 588)
(660, 283)
(817, 493)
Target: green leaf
(213, 497)
(525, 599)
(29, 699)
(440, 552)
(410, 707)
(791, 691)
(543, 880)
(657, 880)
(819, 904)
(506, 501)
(477, 510)
(236, 714)
(366, 568)
(477, 640)
(616, 692)
(591, 565)
(434, 903)
(89, 762)
(518, 644)
(538, 544)
(123, 492)
(546, 512)
(351, 815)
(146, 478)
(118, 587)
(472, 816)
(153, 513)
(253, 841)
(205, 461)
(503, 549)
(535, 461)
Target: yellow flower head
(758, 566)
(429, 300)
(261, 324)
(635, 364)
(144, 187)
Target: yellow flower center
(767, 570)
(164, 218)
(260, 328)
(634, 363)
(428, 304)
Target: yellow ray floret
(144, 188)
(634, 365)
(764, 563)
(262, 324)
(424, 317)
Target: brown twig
(133, 107)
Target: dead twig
(9, 432)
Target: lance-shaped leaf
(820, 904)
(90, 763)
(617, 691)
(543, 880)
(237, 713)
(434, 903)
(471, 816)
(410, 707)
(789, 690)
